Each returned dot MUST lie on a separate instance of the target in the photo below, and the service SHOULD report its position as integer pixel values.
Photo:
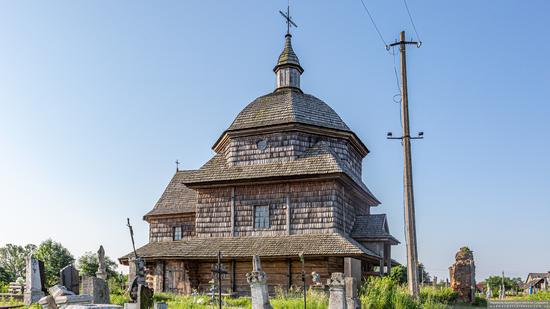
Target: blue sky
(99, 98)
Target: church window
(261, 217)
(177, 233)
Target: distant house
(537, 282)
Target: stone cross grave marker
(34, 284)
(102, 269)
(337, 299)
(257, 279)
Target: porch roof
(247, 246)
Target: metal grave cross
(219, 271)
(288, 18)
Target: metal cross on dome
(288, 19)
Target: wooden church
(285, 180)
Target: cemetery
(279, 214)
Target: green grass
(376, 293)
(540, 296)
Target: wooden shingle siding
(246, 197)
(315, 207)
(287, 146)
(161, 227)
(214, 212)
(312, 207)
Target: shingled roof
(318, 160)
(288, 56)
(177, 198)
(287, 106)
(372, 227)
(245, 247)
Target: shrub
(479, 302)
(540, 296)
(437, 295)
(385, 293)
(4, 287)
(117, 283)
(119, 299)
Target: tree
(509, 283)
(12, 259)
(5, 277)
(55, 257)
(423, 275)
(399, 274)
(88, 264)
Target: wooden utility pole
(410, 226)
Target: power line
(374, 24)
(412, 22)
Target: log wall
(182, 277)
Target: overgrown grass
(540, 296)
(430, 294)
(385, 293)
(376, 293)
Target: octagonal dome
(286, 106)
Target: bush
(479, 302)
(442, 295)
(117, 283)
(4, 287)
(385, 293)
(119, 299)
(540, 296)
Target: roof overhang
(343, 177)
(244, 247)
(226, 136)
(148, 216)
(385, 239)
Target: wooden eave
(387, 239)
(124, 260)
(169, 215)
(343, 177)
(223, 140)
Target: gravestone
(34, 284)
(66, 300)
(138, 279)
(160, 306)
(352, 299)
(47, 302)
(462, 274)
(59, 290)
(145, 297)
(97, 288)
(69, 278)
(257, 279)
(337, 299)
(102, 269)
